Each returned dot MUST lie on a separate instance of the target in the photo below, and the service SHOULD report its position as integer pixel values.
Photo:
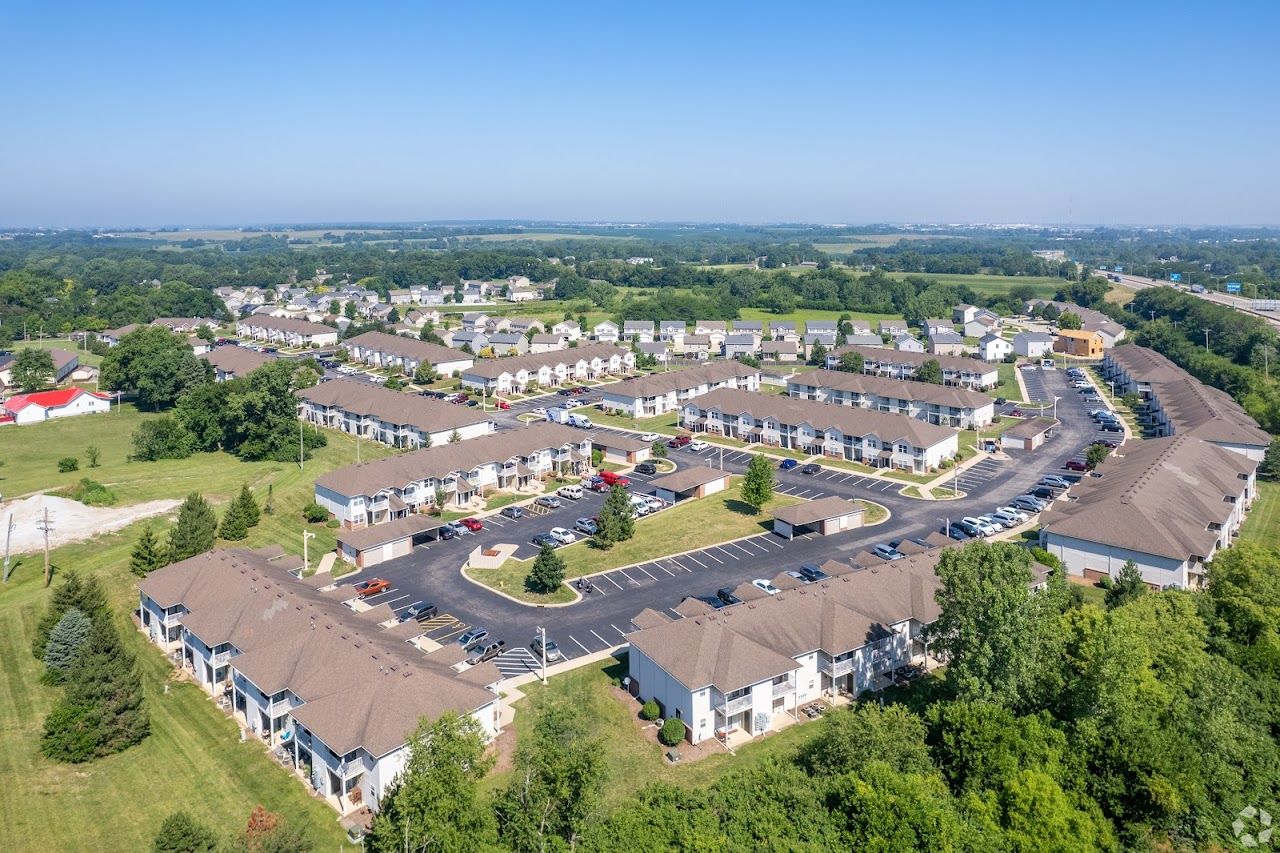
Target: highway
(1239, 303)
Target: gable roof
(898, 389)
(393, 407)
(48, 399)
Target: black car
(446, 532)
(1044, 493)
(1109, 426)
(726, 595)
(419, 612)
(812, 573)
(811, 468)
(956, 532)
(646, 468)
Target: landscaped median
(692, 524)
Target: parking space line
(756, 544)
(598, 637)
(740, 548)
(665, 569)
(733, 557)
(628, 577)
(832, 474)
(584, 648)
(706, 552)
(692, 558)
(641, 568)
(616, 628)
(678, 566)
(612, 581)
(801, 494)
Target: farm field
(846, 245)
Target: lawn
(800, 315)
(509, 578)
(1008, 387)
(1263, 523)
(194, 759)
(872, 513)
(86, 357)
(633, 759)
(658, 423)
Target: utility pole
(306, 561)
(300, 465)
(44, 525)
(8, 535)
(542, 634)
(1206, 340)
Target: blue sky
(130, 113)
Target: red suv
(613, 479)
(1075, 465)
(472, 524)
(679, 441)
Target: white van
(580, 421)
(573, 492)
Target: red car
(1076, 465)
(1016, 413)
(611, 478)
(503, 405)
(472, 524)
(679, 441)
(372, 586)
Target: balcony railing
(839, 668)
(278, 707)
(171, 619)
(347, 769)
(735, 706)
(219, 657)
(783, 687)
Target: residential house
(640, 331)
(389, 417)
(871, 437)
(894, 328)
(111, 337)
(546, 343)
(508, 343)
(567, 329)
(397, 486)
(65, 364)
(185, 324)
(822, 327)
(748, 327)
(944, 405)
(985, 323)
(992, 347)
(1091, 320)
(715, 330)
(475, 321)
(659, 393)
(379, 349)
(668, 330)
(739, 345)
(475, 341)
(864, 339)
(400, 296)
(233, 362)
(780, 351)
(523, 294)
(694, 346)
(945, 342)
(932, 326)
(1032, 344)
(1079, 342)
(42, 406)
(606, 331)
(659, 351)
(784, 330)
(521, 372)
(827, 340)
(523, 325)
(968, 372)
(286, 331)
(1167, 504)
(908, 343)
(963, 313)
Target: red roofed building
(46, 405)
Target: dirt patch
(69, 521)
(504, 751)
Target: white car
(986, 528)
(1013, 513)
(997, 522)
(541, 411)
(698, 444)
(640, 505)
(765, 586)
(563, 535)
(650, 437)
(654, 503)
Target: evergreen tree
(195, 531)
(617, 523)
(233, 527)
(818, 355)
(1127, 586)
(249, 507)
(65, 642)
(181, 833)
(147, 554)
(547, 573)
(102, 711)
(757, 485)
(83, 592)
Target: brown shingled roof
(393, 407)
(898, 389)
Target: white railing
(278, 707)
(171, 619)
(783, 687)
(840, 667)
(219, 657)
(734, 706)
(347, 768)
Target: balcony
(171, 619)
(839, 668)
(347, 769)
(736, 706)
(278, 707)
(219, 657)
(781, 688)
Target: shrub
(68, 463)
(89, 493)
(650, 711)
(672, 732)
(315, 513)
(332, 523)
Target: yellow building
(1078, 342)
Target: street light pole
(1206, 339)
(542, 635)
(306, 558)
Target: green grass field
(86, 357)
(1263, 523)
(194, 759)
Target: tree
(93, 454)
(672, 731)
(155, 364)
(203, 411)
(557, 781)
(996, 633)
(433, 804)
(1127, 586)
(757, 485)
(234, 526)
(181, 833)
(1132, 400)
(851, 738)
(147, 554)
(165, 437)
(101, 712)
(267, 832)
(195, 531)
(424, 373)
(547, 572)
(455, 437)
(341, 354)
(82, 592)
(33, 369)
(65, 642)
(262, 415)
(850, 362)
(1069, 320)
(818, 355)
(248, 506)
(393, 383)
(930, 371)
(1095, 455)
(659, 450)
(617, 520)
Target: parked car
(419, 611)
(1111, 426)
(540, 411)
(612, 478)
(1017, 413)
(551, 650)
(787, 464)
(1045, 493)
(473, 636)
(764, 586)
(488, 652)
(1102, 442)
(1012, 511)
(886, 552)
(698, 444)
(811, 468)
(812, 573)
(472, 524)
(1028, 503)
(996, 521)
(572, 491)
(726, 595)
(639, 506)
(596, 484)
(445, 532)
(679, 441)
(955, 531)
(648, 468)
(650, 437)
(984, 528)
(372, 586)
(545, 539)
(586, 526)
(1075, 465)
(549, 501)
(459, 529)
(1055, 481)
(513, 512)
(653, 502)
(563, 535)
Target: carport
(1029, 434)
(824, 517)
(621, 449)
(368, 546)
(690, 483)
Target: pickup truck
(488, 652)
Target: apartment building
(871, 437)
(389, 417)
(398, 486)
(1168, 504)
(967, 372)
(379, 349)
(286, 331)
(546, 369)
(640, 331)
(1179, 404)
(659, 393)
(1109, 331)
(233, 362)
(302, 671)
(1078, 342)
(938, 404)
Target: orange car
(372, 586)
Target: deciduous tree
(757, 484)
(33, 369)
